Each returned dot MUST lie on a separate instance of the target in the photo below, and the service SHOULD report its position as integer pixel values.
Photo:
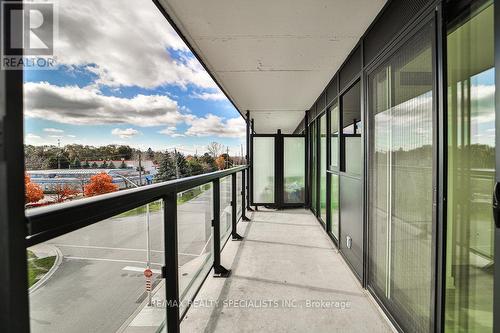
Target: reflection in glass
(314, 165)
(334, 125)
(400, 237)
(294, 169)
(225, 206)
(351, 130)
(263, 169)
(323, 167)
(471, 174)
(334, 205)
(238, 195)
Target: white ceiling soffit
(272, 57)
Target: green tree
(86, 165)
(104, 165)
(112, 165)
(76, 163)
(94, 165)
(123, 165)
(166, 169)
(194, 166)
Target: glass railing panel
(225, 207)
(238, 195)
(92, 279)
(194, 239)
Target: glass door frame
(496, 282)
(431, 16)
(278, 170)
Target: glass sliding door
(334, 170)
(471, 172)
(293, 170)
(401, 182)
(263, 169)
(322, 177)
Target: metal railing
(48, 222)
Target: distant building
(47, 179)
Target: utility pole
(176, 164)
(227, 160)
(140, 168)
(59, 154)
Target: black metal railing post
(219, 270)
(243, 198)
(234, 210)
(170, 272)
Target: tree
(181, 166)
(215, 149)
(208, 163)
(94, 165)
(166, 170)
(104, 165)
(32, 192)
(111, 165)
(86, 165)
(220, 162)
(76, 163)
(150, 154)
(194, 165)
(64, 192)
(100, 184)
(123, 165)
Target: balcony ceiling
(272, 57)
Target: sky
(124, 76)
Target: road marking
(139, 269)
(119, 249)
(111, 260)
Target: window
(351, 131)
(401, 167)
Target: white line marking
(111, 260)
(139, 269)
(118, 249)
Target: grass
(38, 267)
(156, 206)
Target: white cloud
(208, 96)
(71, 136)
(53, 130)
(171, 131)
(125, 133)
(87, 106)
(31, 138)
(125, 43)
(212, 125)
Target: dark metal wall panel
(332, 90)
(395, 16)
(321, 102)
(351, 68)
(351, 217)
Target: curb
(52, 270)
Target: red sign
(148, 273)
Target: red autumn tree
(100, 184)
(64, 192)
(220, 162)
(32, 192)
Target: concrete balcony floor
(288, 261)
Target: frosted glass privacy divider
(353, 155)
(294, 169)
(263, 170)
